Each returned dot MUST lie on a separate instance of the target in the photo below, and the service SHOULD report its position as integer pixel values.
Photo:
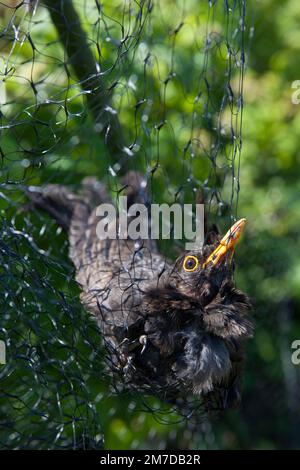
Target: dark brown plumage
(168, 331)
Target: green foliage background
(38, 397)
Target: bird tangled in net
(170, 329)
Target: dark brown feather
(168, 331)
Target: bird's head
(196, 318)
(200, 274)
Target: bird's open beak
(227, 243)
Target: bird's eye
(190, 263)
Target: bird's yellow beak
(227, 243)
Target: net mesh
(92, 88)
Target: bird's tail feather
(54, 199)
(74, 212)
(65, 206)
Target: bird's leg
(126, 347)
(129, 365)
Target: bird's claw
(126, 346)
(143, 342)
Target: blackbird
(172, 329)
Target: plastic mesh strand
(162, 93)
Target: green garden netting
(95, 88)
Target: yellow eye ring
(190, 263)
